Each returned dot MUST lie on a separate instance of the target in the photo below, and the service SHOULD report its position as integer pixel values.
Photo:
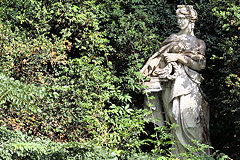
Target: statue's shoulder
(201, 46)
(201, 42)
(171, 38)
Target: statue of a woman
(175, 67)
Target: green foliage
(222, 87)
(199, 153)
(86, 57)
(15, 145)
(163, 140)
(16, 94)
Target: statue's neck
(187, 31)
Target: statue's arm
(194, 59)
(194, 64)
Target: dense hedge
(15, 145)
(86, 56)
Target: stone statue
(175, 83)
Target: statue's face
(182, 21)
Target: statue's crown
(188, 11)
(185, 6)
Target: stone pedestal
(154, 88)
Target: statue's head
(186, 16)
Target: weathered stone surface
(175, 83)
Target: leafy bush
(87, 54)
(222, 87)
(82, 93)
(199, 153)
(15, 93)
(15, 145)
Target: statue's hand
(171, 57)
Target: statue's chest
(189, 42)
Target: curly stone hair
(188, 11)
